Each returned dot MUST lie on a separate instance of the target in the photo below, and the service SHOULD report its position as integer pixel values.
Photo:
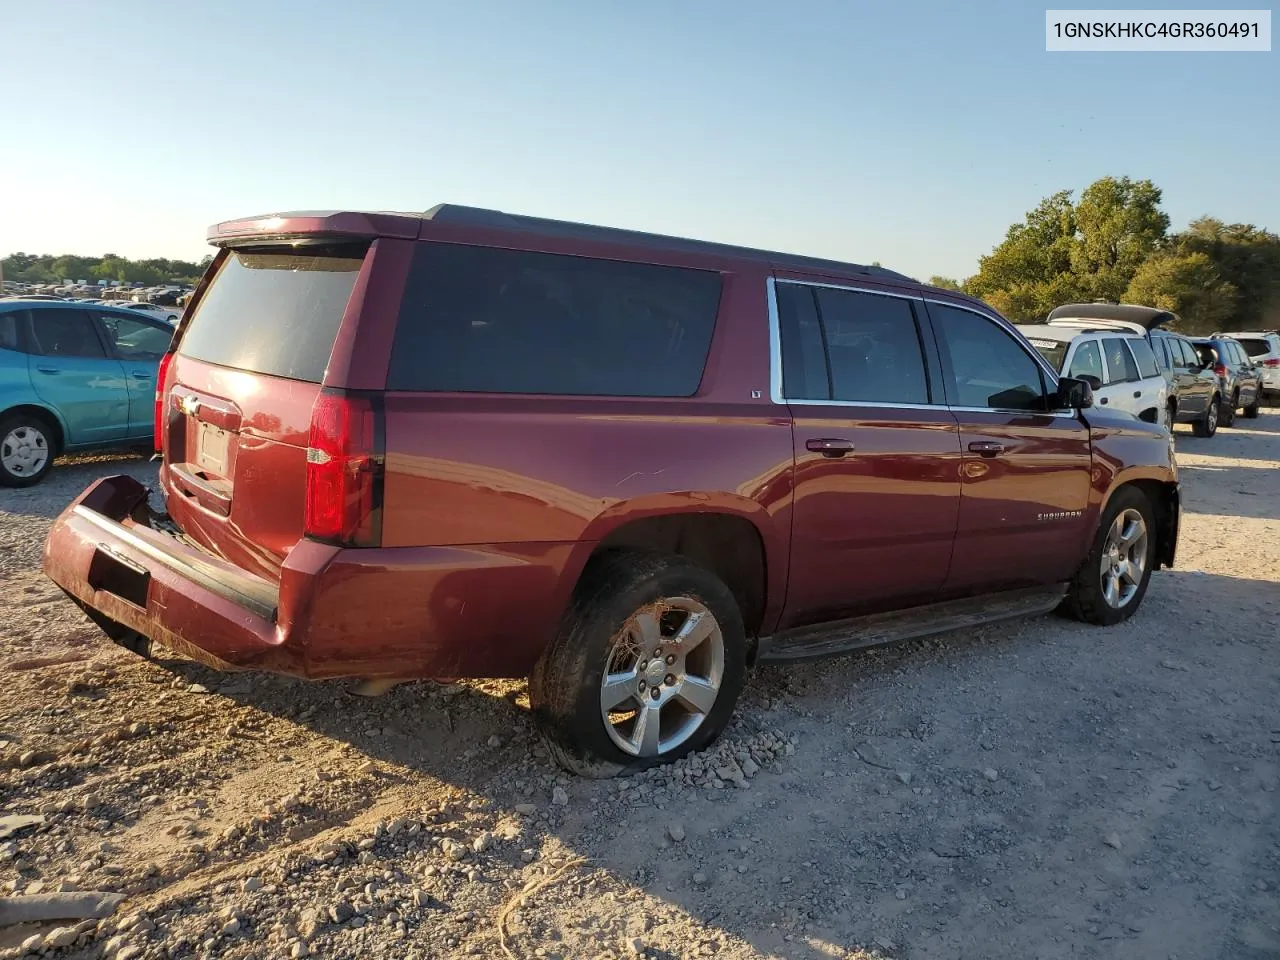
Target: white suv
(1263, 348)
(1118, 364)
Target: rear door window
(478, 319)
(1161, 348)
(873, 347)
(1120, 364)
(60, 332)
(1087, 361)
(1145, 358)
(275, 311)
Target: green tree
(1119, 224)
(1246, 257)
(945, 283)
(1190, 285)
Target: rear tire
(28, 445)
(1251, 411)
(1113, 579)
(1207, 425)
(626, 606)
(1228, 415)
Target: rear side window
(1120, 365)
(1087, 361)
(1145, 358)
(1162, 347)
(65, 333)
(482, 320)
(275, 311)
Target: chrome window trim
(775, 355)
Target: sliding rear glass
(275, 311)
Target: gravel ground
(1036, 789)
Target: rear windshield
(1051, 350)
(1255, 348)
(274, 311)
(477, 319)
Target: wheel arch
(1166, 502)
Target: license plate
(211, 449)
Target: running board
(842, 636)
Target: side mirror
(1093, 382)
(1076, 392)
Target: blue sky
(909, 133)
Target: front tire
(1113, 579)
(27, 449)
(647, 666)
(1207, 425)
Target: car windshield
(1055, 351)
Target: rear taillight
(162, 420)
(1273, 362)
(344, 471)
(1220, 369)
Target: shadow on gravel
(787, 880)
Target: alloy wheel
(1124, 558)
(663, 676)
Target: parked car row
(1155, 374)
(73, 377)
(627, 466)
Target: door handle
(141, 375)
(1103, 400)
(987, 448)
(1137, 393)
(51, 370)
(834, 447)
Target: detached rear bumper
(394, 613)
(104, 552)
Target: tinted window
(1120, 365)
(1087, 361)
(135, 339)
(1238, 354)
(10, 332)
(1162, 347)
(804, 359)
(65, 333)
(872, 347)
(274, 312)
(1188, 353)
(476, 319)
(1255, 348)
(1145, 358)
(989, 367)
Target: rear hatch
(239, 394)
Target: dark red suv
(629, 466)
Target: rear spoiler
(1146, 318)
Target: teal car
(73, 378)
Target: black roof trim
(1148, 317)
(452, 213)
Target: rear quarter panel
(16, 389)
